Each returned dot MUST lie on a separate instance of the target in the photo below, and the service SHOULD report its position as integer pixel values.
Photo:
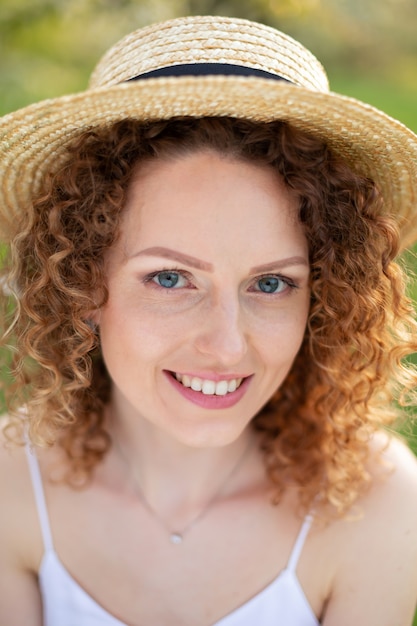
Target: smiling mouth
(209, 387)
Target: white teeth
(209, 387)
(196, 384)
(186, 380)
(232, 385)
(222, 388)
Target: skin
(216, 322)
(229, 217)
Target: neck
(171, 475)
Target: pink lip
(213, 376)
(210, 401)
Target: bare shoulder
(389, 508)
(390, 505)
(393, 468)
(376, 576)
(18, 513)
(20, 602)
(15, 489)
(12, 462)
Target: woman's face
(208, 296)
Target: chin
(209, 435)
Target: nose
(222, 334)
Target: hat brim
(32, 140)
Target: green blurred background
(369, 47)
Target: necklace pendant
(175, 538)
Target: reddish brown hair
(351, 364)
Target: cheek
(288, 315)
(139, 332)
(279, 338)
(282, 347)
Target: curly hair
(351, 370)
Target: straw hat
(210, 66)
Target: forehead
(205, 200)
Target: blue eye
(271, 284)
(167, 279)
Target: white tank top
(65, 603)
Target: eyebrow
(192, 261)
(279, 265)
(173, 255)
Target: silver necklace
(177, 536)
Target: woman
(208, 331)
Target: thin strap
(38, 490)
(299, 543)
